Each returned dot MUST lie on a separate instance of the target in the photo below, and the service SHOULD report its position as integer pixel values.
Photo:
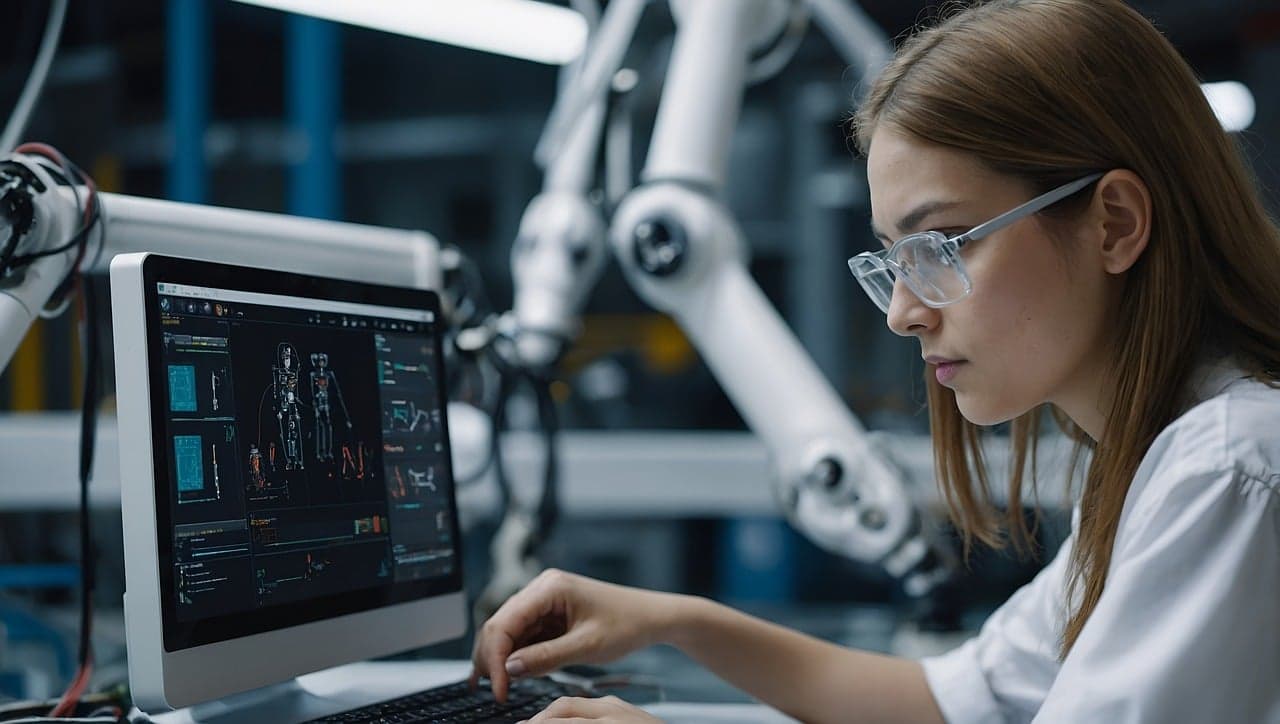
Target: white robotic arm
(560, 248)
(682, 251)
(46, 215)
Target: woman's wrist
(679, 615)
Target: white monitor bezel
(162, 679)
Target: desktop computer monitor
(287, 490)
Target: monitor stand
(322, 693)
(277, 704)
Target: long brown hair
(1046, 91)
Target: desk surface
(353, 685)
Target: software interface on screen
(307, 451)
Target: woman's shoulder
(1216, 467)
(1235, 425)
(1232, 429)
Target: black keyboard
(457, 703)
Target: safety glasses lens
(875, 279)
(932, 269)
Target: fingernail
(516, 667)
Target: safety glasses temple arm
(1029, 208)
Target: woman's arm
(561, 618)
(802, 676)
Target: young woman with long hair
(1067, 230)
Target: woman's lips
(947, 371)
(946, 368)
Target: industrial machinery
(675, 240)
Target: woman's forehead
(897, 160)
(904, 172)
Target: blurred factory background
(233, 105)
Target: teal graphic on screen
(182, 388)
(187, 453)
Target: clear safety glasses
(929, 262)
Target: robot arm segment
(684, 255)
(703, 89)
(601, 59)
(683, 252)
(560, 251)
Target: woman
(1128, 282)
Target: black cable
(88, 441)
(549, 503)
(507, 379)
(547, 512)
(510, 376)
(469, 310)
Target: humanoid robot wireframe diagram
(284, 390)
(322, 379)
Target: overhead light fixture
(1232, 103)
(528, 29)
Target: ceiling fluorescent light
(537, 31)
(1232, 103)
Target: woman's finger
(511, 624)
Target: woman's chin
(981, 411)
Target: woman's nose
(908, 316)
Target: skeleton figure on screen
(322, 382)
(284, 389)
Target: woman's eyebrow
(915, 217)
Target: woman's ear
(1122, 212)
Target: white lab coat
(1188, 626)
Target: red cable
(71, 698)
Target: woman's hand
(561, 618)
(607, 709)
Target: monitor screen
(303, 439)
